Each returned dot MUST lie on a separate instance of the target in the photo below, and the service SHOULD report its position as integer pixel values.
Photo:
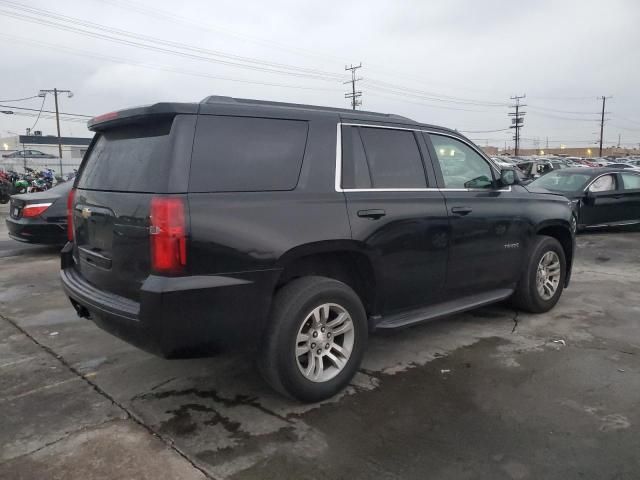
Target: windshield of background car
(562, 181)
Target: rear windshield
(131, 158)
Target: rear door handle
(374, 214)
(461, 210)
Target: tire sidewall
(292, 379)
(545, 245)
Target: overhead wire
(48, 111)
(19, 99)
(149, 43)
(159, 67)
(44, 97)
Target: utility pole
(354, 95)
(517, 120)
(55, 92)
(604, 100)
(619, 135)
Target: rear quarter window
(241, 154)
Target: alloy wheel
(548, 275)
(324, 342)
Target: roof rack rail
(213, 99)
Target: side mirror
(508, 177)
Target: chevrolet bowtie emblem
(86, 212)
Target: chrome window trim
(338, 172)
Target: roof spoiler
(139, 114)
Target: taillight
(35, 209)
(168, 235)
(70, 199)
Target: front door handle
(461, 210)
(374, 214)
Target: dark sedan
(601, 197)
(40, 217)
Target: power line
(63, 22)
(51, 117)
(396, 89)
(354, 95)
(19, 99)
(48, 111)
(547, 115)
(486, 131)
(158, 67)
(44, 97)
(534, 107)
(403, 98)
(172, 17)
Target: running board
(614, 224)
(432, 312)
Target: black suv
(297, 230)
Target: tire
(574, 224)
(292, 318)
(527, 297)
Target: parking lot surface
(493, 393)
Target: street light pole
(55, 92)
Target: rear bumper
(178, 316)
(37, 231)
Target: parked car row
(532, 168)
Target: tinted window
(630, 181)
(562, 182)
(246, 154)
(355, 171)
(462, 167)
(393, 157)
(128, 159)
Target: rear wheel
(542, 281)
(315, 340)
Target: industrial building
(73, 149)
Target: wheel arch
(345, 260)
(561, 231)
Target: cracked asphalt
(492, 393)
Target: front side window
(605, 183)
(631, 181)
(461, 166)
(393, 157)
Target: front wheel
(315, 340)
(542, 282)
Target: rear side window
(239, 154)
(392, 156)
(130, 158)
